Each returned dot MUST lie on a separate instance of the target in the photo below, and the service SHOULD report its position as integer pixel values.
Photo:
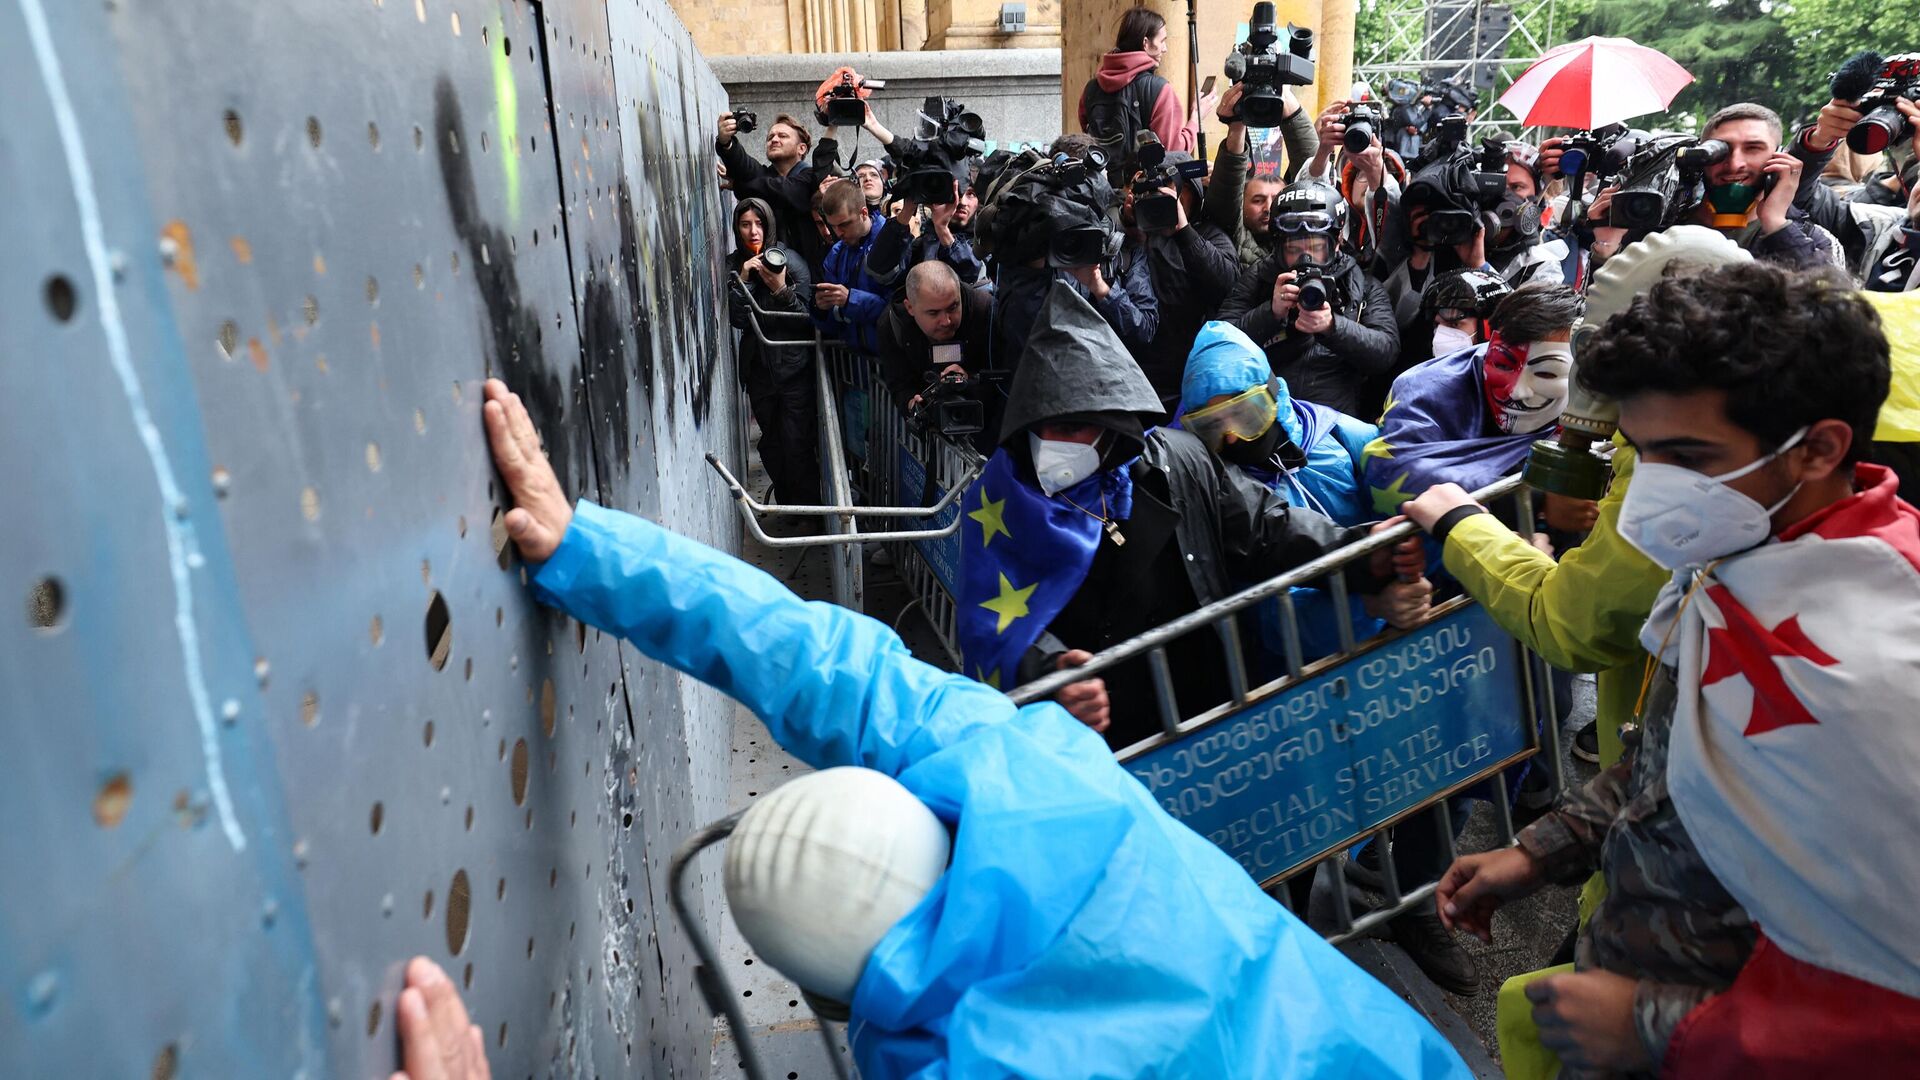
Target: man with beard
(1750, 195)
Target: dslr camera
(846, 106)
(932, 165)
(1311, 279)
(744, 121)
(1664, 180)
(1260, 65)
(1875, 85)
(1154, 211)
(1364, 123)
(1456, 188)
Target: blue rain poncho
(1079, 931)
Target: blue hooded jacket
(1225, 360)
(1080, 931)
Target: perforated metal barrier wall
(275, 709)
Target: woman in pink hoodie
(1137, 51)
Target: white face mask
(1450, 339)
(1680, 518)
(1059, 464)
(1540, 394)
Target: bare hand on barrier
(1586, 1018)
(1086, 700)
(1569, 515)
(1403, 604)
(1427, 508)
(1475, 886)
(828, 295)
(1406, 560)
(437, 1041)
(541, 512)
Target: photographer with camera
(1125, 97)
(786, 182)
(1238, 200)
(778, 380)
(932, 183)
(1751, 187)
(1049, 218)
(1325, 325)
(1190, 263)
(847, 302)
(1882, 243)
(1367, 176)
(939, 329)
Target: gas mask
(1520, 219)
(1527, 385)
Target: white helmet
(819, 870)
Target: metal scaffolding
(1429, 40)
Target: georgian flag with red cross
(1795, 764)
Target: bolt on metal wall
(276, 711)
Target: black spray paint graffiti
(671, 213)
(516, 333)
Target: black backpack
(1112, 119)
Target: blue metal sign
(1312, 768)
(942, 555)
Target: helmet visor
(1245, 416)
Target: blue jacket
(857, 322)
(1080, 931)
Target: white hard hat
(820, 869)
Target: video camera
(1456, 188)
(1364, 123)
(1153, 211)
(744, 121)
(950, 405)
(1258, 64)
(846, 104)
(933, 165)
(1056, 208)
(1664, 180)
(1875, 85)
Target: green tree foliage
(1776, 52)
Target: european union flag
(1022, 557)
(1433, 432)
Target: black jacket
(1330, 368)
(757, 362)
(906, 354)
(1191, 271)
(791, 196)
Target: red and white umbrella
(1595, 82)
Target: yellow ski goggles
(1244, 416)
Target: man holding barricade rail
(963, 939)
(1089, 527)
(1735, 939)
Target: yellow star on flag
(992, 518)
(1391, 402)
(1011, 604)
(1387, 500)
(991, 678)
(1378, 448)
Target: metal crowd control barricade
(1341, 748)
(842, 534)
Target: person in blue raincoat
(1307, 454)
(1078, 931)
